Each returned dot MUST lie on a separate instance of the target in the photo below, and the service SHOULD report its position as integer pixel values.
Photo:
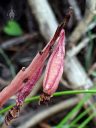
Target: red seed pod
(54, 69)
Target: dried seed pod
(54, 68)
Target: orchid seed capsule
(54, 69)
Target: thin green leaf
(83, 125)
(88, 55)
(82, 115)
(78, 106)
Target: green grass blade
(81, 115)
(88, 55)
(83, 125)
(78, 106)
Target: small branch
(76, 8)
(91, 26)
(16, 41)
(92, 69)
(91, 5)
(47, 27)
(76, 49)
(83, 25)
(76, 74)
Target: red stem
(27, 73)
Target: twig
(47, 27)
(83, 25)
(91, 5)
(44, 125)
(64, 83)
(77, 12)
(76, 49)
(91, 26)
(16, 41)
(76, 73)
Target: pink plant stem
(27, 73)
(27, 87)
(12, 88)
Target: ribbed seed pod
(54, 69)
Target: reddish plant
(25, 80)
(34, 71)
(29, 78)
